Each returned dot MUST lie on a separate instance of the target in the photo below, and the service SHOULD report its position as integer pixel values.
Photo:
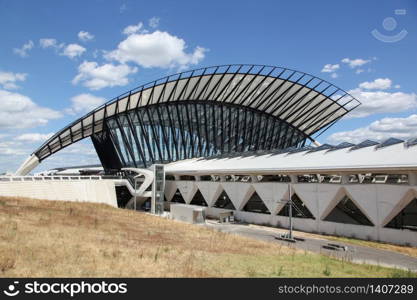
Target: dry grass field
(66, 239)
(407, 250)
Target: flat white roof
(389, 157)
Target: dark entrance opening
(123, 196)
(256, 205)
(198, 199)
(348, 213)
(299, 209)
(406, 218)
(146, 206)
(223, 201)
(178, 197)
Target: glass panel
(256, 205)
(224, 202)
(76, 127)
(199, 88)
(111, 109)
(134, 100)
(406, 218)
(121, 107)
(299, 210)
(348, 213)
(144, 98)
(198, 199)
(178, 131)
(99, 115)
(222, 87)
(269, 91)
(155, 93)
(87, 121)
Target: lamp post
(290, 210)
(136, 194)
(134, 204)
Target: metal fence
(57, 178)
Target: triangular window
(223, 201)
(406, 218)
(198, 199)
(178, 197)
(348, 213)
(256, 205)
(299, 209)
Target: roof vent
(364, 144)
(389, 142)
(297, 150)
(322, 147)
(411, 142)
(342, 146)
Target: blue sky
(60, 59)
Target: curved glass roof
(306, 102)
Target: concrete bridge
(97, 189)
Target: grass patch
(67, 239)
(403, 249)
(408, 250)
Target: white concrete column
(412, 178)
(294, 178)
(345, 179)
(319, 179)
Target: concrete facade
(187, 213)
(378, 202)
(79, 190)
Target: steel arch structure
(205, 112)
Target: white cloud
(10, 148)
(377, 84)
(19, 111)
(13, 152)
(403, 128)
(70, 50)
(154, 22)
(334, 75)
(24, 49)
(131, 29)
(157, 49)
(33, 137)
(77, 154)
(85, 36)
(48, 43)
(15, 149)
(96, 77)
(84, 103)
(8, 79)
(376, 102)
(354, 63)
(358, 71)
(329, 68)
(73, 50)
(397, 86)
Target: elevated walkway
(95, 188)
(98, 189)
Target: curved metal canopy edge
(304, 102)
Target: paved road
(355, 253)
